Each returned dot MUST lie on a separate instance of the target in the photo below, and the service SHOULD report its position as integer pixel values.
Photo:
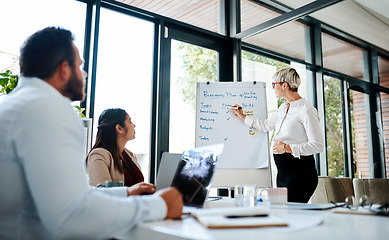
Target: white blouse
(300, 129)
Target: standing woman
(108, 159)
(297, 138)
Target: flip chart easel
(244, 148)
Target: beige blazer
(101, 166)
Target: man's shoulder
(32, 95)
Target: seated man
(45, 192)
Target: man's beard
(75, 88)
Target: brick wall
(361, 148)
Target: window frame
(231, 67)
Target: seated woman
(108, 159)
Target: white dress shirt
(44, 191)
(300, 128)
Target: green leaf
(8, 81)
(3, 81)
(80, 111)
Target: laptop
(167, 169)
(193, 175)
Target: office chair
(331, 189)
(376, 189)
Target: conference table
(302, 225)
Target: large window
(359, 131)
(124, 76)
(125, 58)
(287, 39)
(383, 64)
(253, 14)
(259, 68)
(19, 19)
(334, 126)
(190, 64)
(342, 57)
(385, 123)
(182, 65)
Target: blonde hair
(290, 76)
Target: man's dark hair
(44, 51)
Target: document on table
(372, 210)
(305, 206)
(239, 217)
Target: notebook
(238, 217)
(194, 173)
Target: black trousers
(299, 176)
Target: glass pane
(253, 14)
(298, 4)
(45, 13)
(259, 68)
(359, 133)
(190, 64)
(383, 67)
(124, 76)
(385, 123)
(342, 57)
(201, 13)
(334, 126)
(383, 64)
(287, 39)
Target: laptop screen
(167, 169)
(194, 173)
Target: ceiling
(365, 19)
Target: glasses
(273, 84)
(365, 203)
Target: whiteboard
(216, 123)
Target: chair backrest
(376, 189)
(331, 189)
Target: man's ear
(119, 128)
(64, 71)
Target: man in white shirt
(44, 188)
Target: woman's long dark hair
(106, 133)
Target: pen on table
(247, 216)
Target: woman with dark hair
(108, 159)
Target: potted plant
(8, 82)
